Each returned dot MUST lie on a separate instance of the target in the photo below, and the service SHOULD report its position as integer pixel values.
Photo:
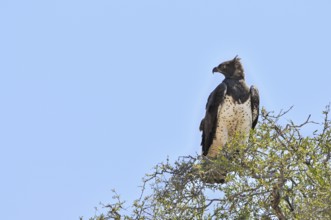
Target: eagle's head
(231, 69)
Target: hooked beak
(215, 70)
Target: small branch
(275, 203)
(289, 203)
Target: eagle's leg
(214, 172)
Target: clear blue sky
(93, 94)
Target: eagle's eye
(224, 66)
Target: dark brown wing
(208, 124)
(255, 104)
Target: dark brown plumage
(231, 108)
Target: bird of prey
(232, 108)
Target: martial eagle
(232, 108)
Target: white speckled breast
(232, 118)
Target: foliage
(279, 174)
